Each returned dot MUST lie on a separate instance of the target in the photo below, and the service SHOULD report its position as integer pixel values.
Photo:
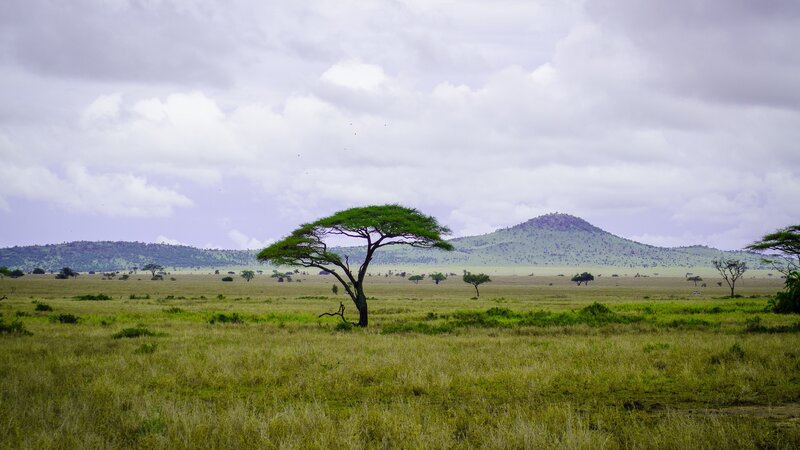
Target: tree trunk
(361, 305)
(732, 291)
(477, 294)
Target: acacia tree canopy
(379, 226)
(786, 243)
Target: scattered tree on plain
(476, 279)
(785, 247)
(248, 275)
(438, 277)
(416, 278)
(16, 273)
(65, 273)
(696, 279)
(5, 272)
(584, 278)
(731, 270)
(335, 289)
(378, 226)
(153, 268)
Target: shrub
(146, 348)
(226, 318)
(14, 328)
(43, 307)
(227, 278)
(343, 326)
(135, 332)
(139, 297)
(788, 300)
(173, 310)
(38, 271)
(66, 318)
(16, 273)
(92, 297)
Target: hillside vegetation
(549, 240)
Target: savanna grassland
(534, 362)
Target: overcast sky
(228, 123)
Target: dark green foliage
(65, 273)
(226, 318)
(438, 277)
(43, 307)
(66, 318)
(16, 273)
(786, 242)
(343, 326)
(476, 279)
(788, 300)
(15, 328)
(378, 226)
(595, 314)
(248, 275)
(38, 271)
(5, 271)
(227, 279)
(135, 332)
(753, 325)
(173, 310)
(416, 278)
(139, 297)
(584, 278)
(92, 297)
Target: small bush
(173, 310)
(139, 297)
(146, 348)
(226, 318)
(92, 297)
(66, 318)
(43, 307)
(227, 279)
(596, 309)
(343, 326)
(135, 332)
(15, 328)
(734, 353)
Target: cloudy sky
(228, 123)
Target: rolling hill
(549, 240)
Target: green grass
(528, 365)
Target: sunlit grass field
(534, 362)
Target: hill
(549, 240)
(107, 255)
(557, 240)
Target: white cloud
(161, 239)
(122, 195)
(245, 242)
(353, 74)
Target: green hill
(549, 240)
(84, 256)
(556, 240)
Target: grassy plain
(532, 363)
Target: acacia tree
(379, 226)
(785, 247)
(476, 279)
(584, 278)
(438, 277)
(731, 270)
(248, 275)
(153, 268)
(695, 279)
